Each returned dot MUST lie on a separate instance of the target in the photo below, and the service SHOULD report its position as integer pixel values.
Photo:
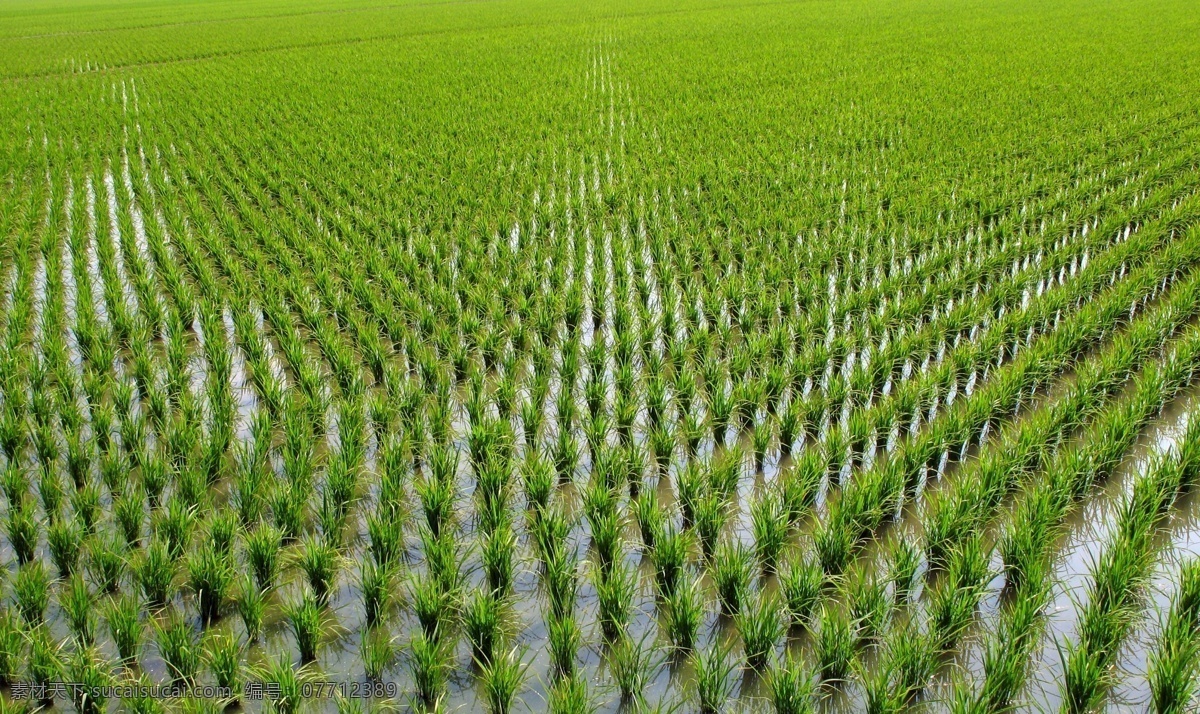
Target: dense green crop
(612, 356)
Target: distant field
(506, 355)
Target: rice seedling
(1175, 660)
(31, 591)
(89, 674)
(377, 651)
(178, 647)
(714, 678)
(569, 695)
(834, 646)
(482, 621)
(251, 607)
(564, 641)
(615, 588)
(78, 606)
(560, 580)
(209, 577)
(282, 674)
(801, 584)
(376, 583)
(155, 572)
(790, 686)
(65, 540)
(682, 613)
(633, 664)
(306, 622)
(732, 571)
(669, 556)
(761, 628)
(12, 647)
(769, 524)
(106, 562)
(429, 663)
(497, 555)
(262, 555)
(224, 658)
(502, 678)
(320, 563)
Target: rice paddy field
(657, 356)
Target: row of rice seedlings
(878, 491)
(1119, 575)
(977, 494)
(1175, 660)
(962, 561)
(1025, 542)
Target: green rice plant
(154, 571)
(761, 439)
(386, 533)
(307, 624)
(280, 672)
(682, 613)
(615, 588)
(23, 532)
(178, 647)
(262, 554)
(377, 651)
(50, 489)
(65, 539)
(430, 603)
(649, 516)
(320, 563)
(669, 556)
(497, 555)
(1174, 663)
(802, 585)
(209, 577)
(909, 664)
(569, 695)
(79, 607)
(85, 502)
(560, 581)
(128, 511)
(606, 529)
(565, 638)
(870, 606)
(251, 607)
(732, 572)
(376, 583)
(834, 645)
(903, 559)
(224, 658)
(288, 505)
(443, 559)
(502, 678)
(106, 562)
(714, 678)
(90, 676)
(123, 620)
(790, 686)
(633, 665)
(12, 647)
(45, 664)
(769, 524)
(711, 514)
(482, 621)
(430, 659)
(175, 526)
(537, 478)
(31, 591)
(761, 628)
